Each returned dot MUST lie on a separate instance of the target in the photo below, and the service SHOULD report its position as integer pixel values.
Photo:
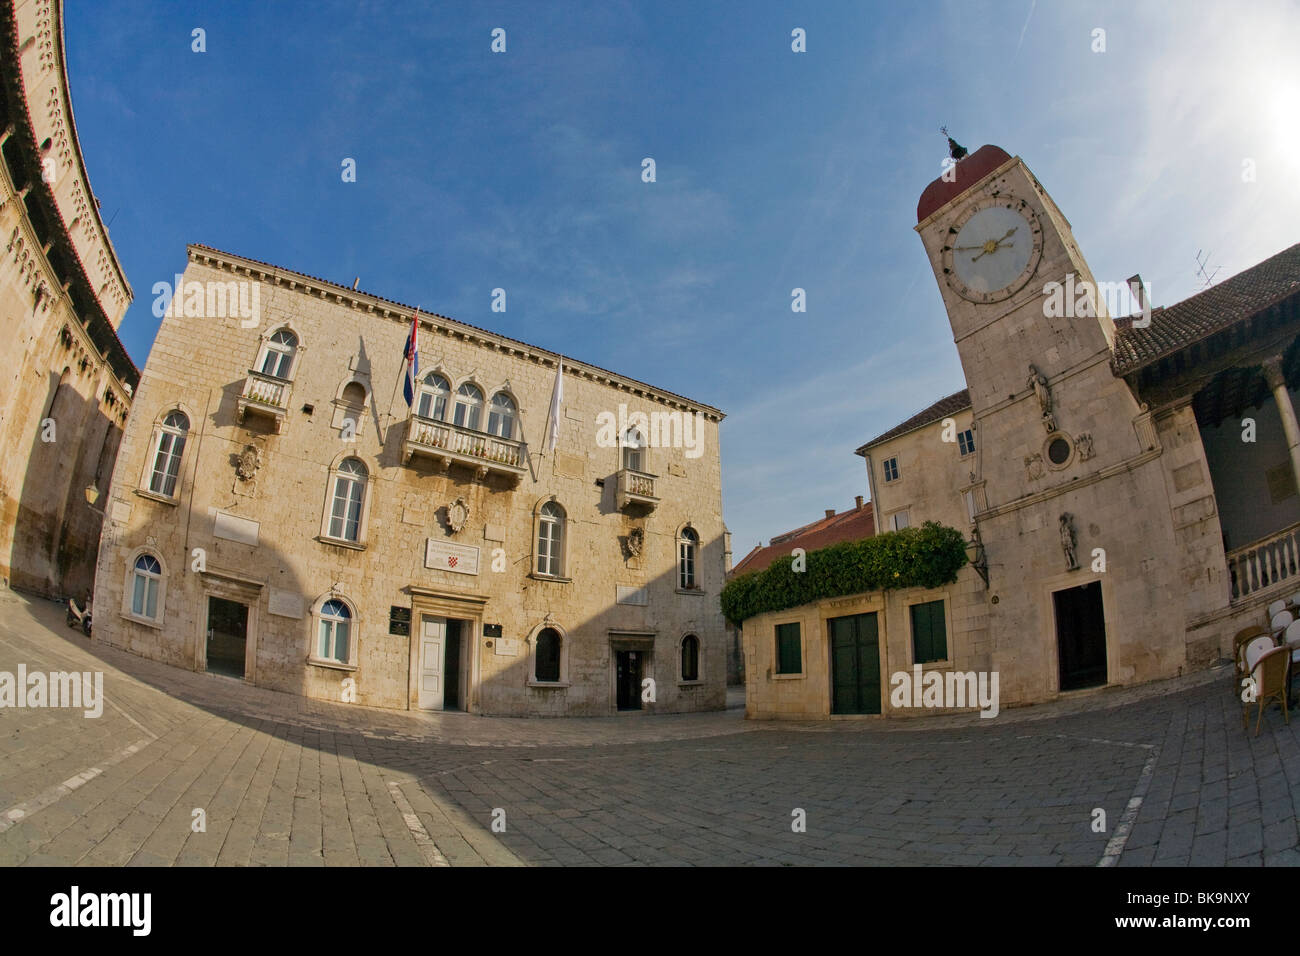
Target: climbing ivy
(924, 557)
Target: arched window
(690, 658)
(349, 495)
(433, 397)
(168, 449)
(548, 656)
(550, 540)
(688, 546)
(501, 418)
(146, 583)
(277, 354)
(335, 633)
(633, 456)
(469, 406)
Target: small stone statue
(1038, 382)
(1069, 541)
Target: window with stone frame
(547, 656)
(169, 449)
(550, 540)
(688, 549)
(789, 653)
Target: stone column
(1277, 382)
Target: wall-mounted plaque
(445, 556)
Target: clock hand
(997, 244)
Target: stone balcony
(637, 489)
(449, 444)
(265, 395)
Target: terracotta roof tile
(940, 410)
(852, 525)
(1248, 292)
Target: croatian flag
(412, 358)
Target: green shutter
(788, 658)
(929, 635)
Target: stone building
(1128, 487)
(67, 382)
(278, 515)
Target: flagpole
(401, 374)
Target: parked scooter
(78, 617)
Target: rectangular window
(144, 597)
(789, 658)
(900, 520)
(345, 518)
(891, 469)
(167, 465)
(548, 548)
(929, 635)
(966, 441)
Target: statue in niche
(1069, 541)
(1038, 382)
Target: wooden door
(855, 664)
(433, 637)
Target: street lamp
(976, 555)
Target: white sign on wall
(445, 556)
(623, 594)
(507, 647)
(285, 603)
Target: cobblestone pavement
(283, 780)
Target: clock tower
(1063, 448)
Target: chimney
(858, 499)
(830, 512)
(1139, 292)
(356, 282)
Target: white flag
(557, 396)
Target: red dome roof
(970, 170)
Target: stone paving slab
(286, 781)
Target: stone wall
(200, 364)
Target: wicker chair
(1244, 637)
(1270, 671)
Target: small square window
(966, 442)
(900, 520)
(789, 656)
(891, 469)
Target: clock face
(993, 249)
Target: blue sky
(775, 170)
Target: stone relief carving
(457, 515)
(1069, 541)
(1034, 466)
(635, 542)
(1084, 446)
(250, 460)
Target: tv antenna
(1201, 262)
